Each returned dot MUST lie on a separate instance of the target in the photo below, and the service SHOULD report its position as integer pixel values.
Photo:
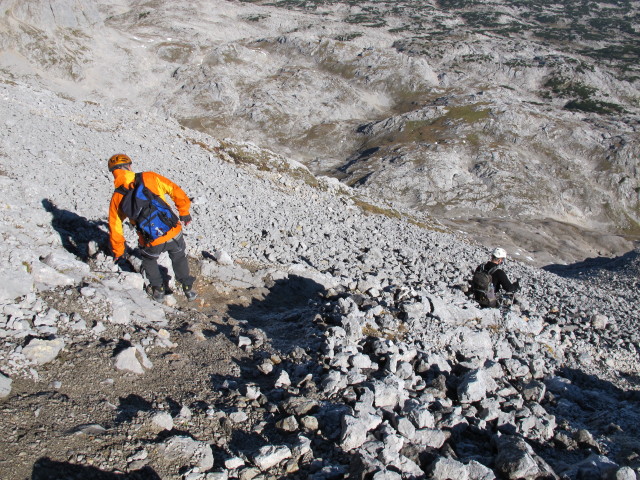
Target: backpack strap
(492, 269)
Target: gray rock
(625, 473)
(431, 437)
(447, 469)
(132, 359)
(534, 391)
(517, 460)
(43, 351)
(5, 386)
(599, 322)
(354, 431)
(288, 424)
(474, 386)
(162, 421)
(14, 283)
(477, 471)
(186, 451)
(222, 257)
(271, 455)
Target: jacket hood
(123, 177)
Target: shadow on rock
(76, 231)
(285, 313)
(47, 469)
(130, 406)
(593, 266)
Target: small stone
(288, 424)
(271, 455)
(266, 367)
(187, 451)
(162, 421)
(233, 463)
(309, 423)
(238, 417)
(283, 380)
(599, 322)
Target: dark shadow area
(130, 406)
(629, 262)
(285, 318)
(594, 417)
(285, 312)
(47, 469)
(76, 231)
(359, 157)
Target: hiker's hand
(185, 219)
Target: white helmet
(499, 253)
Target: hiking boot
(189, 293)
(157, 293)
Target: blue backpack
(148, 212)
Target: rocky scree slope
(332, 337)
(523, 114)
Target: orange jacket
(158, 185)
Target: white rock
(185, 450)
(448, 468)
(223, 258)
(162, 421)
(233, 463)
(271, 455)
(14, 283)
(43, 351)
(283, 380)
(132, 359)
(5, 386)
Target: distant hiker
(140, 197)
(489, 279)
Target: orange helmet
(118, 160)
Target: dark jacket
(500, 279)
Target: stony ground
(332, 337)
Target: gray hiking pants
(176, 249)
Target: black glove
(185, 219)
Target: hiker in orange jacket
(172, 242)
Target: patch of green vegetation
(555, 34)
(371, 209)
(256, 18)
(143, 15)
(546, 18)
(469, 113)
(404, 28)
(473, 139)
(367, 20)
(475, 57)
(347, 37)
(594, 106)
(627, 53)
(456, 4)
(482, 19)
(517, 62)
(567, 88)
